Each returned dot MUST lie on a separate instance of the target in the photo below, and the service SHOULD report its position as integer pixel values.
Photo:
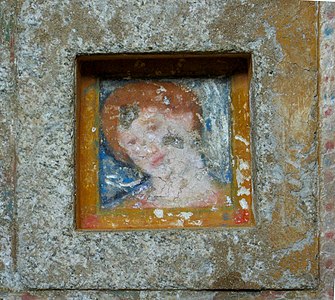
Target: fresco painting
(164, 156)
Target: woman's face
(155, 140)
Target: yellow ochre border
(89, 216)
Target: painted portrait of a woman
(154, 129)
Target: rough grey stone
(52, 254)
(8, 160)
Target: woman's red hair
(167, 97)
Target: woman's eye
(173, 140)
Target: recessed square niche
(163, 141)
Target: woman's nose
(152, 148)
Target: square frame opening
(234, 205)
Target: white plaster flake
(228, 201)
(180, 223)
(243, 191)
(243, 140)
(244, 203)
(196, 223)
(185, 215)
(244, 165)
(159, 213)
(160, 90)
(239, 178)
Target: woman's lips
(157, 159)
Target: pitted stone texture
(7, 148)
(327, 150)
(51, 254)
(158, 295)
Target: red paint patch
(329, 176)
(330, 15)
(329, 264)
(328, 112)
(28, 297)
(329, 145)
(329, 206)
(329, 235)
(12, 49)
(91, 221)
(242, 216)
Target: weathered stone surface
(170, 295)
(7, 149)
(51, 254)
(51, 34)
(327, 118)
